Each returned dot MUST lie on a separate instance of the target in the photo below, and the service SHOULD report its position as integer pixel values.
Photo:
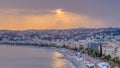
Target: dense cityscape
(90, 38)
(59, 33)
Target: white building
(103, 65)
(109, 50)
(118, 51)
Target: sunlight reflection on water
(30, 57)
(58, 63)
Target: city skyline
(52, 14)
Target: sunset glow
(59, 11)
(57, 19)
(56, 32)
(44, 14)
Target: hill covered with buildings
(108, 38)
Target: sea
(31, 57)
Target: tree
(92, 52)
(111, 63)
(75, 49)
(116, 60)
(107, 57)
(119, 62)
(102, 57)
(81, 47)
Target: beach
(72, 56)
(31, 57)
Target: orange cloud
(39, 19)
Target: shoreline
(68, 55)
(75, 60)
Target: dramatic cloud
(45, 19)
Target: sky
(58, 14)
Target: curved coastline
(67, 55)
(61, 58)
(70, 55)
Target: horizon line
(56, 28)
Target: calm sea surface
(31, 57)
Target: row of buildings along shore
(109, 38)
(112, 49)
